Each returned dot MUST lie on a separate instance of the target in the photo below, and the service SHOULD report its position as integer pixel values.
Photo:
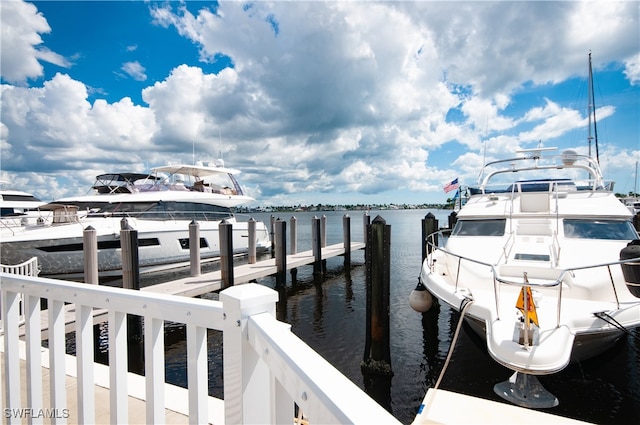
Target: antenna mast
(592, 111)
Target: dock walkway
(194, 286)
(176, 411)
(209, 282)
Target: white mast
(592, 110)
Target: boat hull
(161, 244)
(577, 336)
(586, 344)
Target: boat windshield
(599, 229)
(168, 210)
(491, 227)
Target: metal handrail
(498, 278)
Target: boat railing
(506, 249)
(11, 223)
(267, 370)
(558, 188)
(537, 160)
(166, 215)
(555, 249)
(499, 278)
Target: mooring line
(463, 309)
(613, 322)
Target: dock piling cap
(379, 219)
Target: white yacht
(536, 264)
(16, 207)
(160, 206)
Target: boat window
(599, 229)
(169, 210)
(132, 208)
(493, 227)
(20, 198)
(531, 257)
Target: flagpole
(527, 322)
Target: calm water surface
(330, 317)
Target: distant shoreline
(359, 207)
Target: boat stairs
(270, 375)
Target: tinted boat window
(169, 210)
(493, 227)
(599, 229)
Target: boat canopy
(198, 171)
(120, 182)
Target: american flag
(451, 186)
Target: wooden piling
(131, 280)
(90, 250)
(281, 252)
(453, 218)
(316, 245)
(293, 248)
(252, 241)
(636, 221)
(377, 354)
(194, 248)
(272, 231)
(429, 226)
(294, 235)
(366, 222)
(346, 240)
(225, 231)
(129, 252)
(323, 231)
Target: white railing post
(34, 355)
(57, 368)
(10, 307)
(197, 377)
(154, 369)
(84, 361)
(118, 367)
(247, 381)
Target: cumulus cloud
(20, 50)
(335, 97)
(632, 69)
(59, 130)
(135, 70)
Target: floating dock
(446, 407)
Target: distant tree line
(347, 207)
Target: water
(330, 317)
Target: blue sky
(316, 102)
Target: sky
(315, 102)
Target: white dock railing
(266, 367)
(28, 268)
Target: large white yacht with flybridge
(160, 206)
